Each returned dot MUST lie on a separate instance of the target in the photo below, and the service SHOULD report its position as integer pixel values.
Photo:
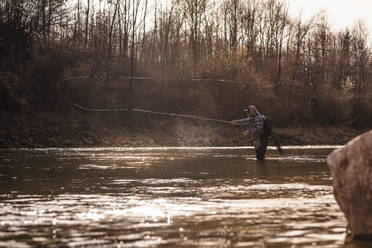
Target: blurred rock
(351, 168)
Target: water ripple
(167, 197)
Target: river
(168, 197)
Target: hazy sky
(341, 13)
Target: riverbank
(91, 130)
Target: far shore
(55, 132)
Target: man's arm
(241, 122)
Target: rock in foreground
(351, 168)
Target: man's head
(250, 111)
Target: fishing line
(133, 109)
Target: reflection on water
(167, 197)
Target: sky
(341, 13)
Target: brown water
(167, 197)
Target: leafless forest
(294, 69)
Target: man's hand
(246, 132)
(233, 123)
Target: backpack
(267, 127)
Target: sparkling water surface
(168, 197)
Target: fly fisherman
(255, 123)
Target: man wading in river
(255, 123)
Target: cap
(251, 107)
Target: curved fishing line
(85, 108)
(130, 109)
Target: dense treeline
(295, 69)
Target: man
(255, 122)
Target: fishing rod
(160, 79)
(180, 115)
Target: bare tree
(300, 31)
(360, 60)
(249, 23)
(87, 24)
(116, 7)
(194, 10)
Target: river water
(168, 197)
